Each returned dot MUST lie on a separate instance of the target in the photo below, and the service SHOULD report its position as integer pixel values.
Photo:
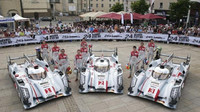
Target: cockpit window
(160, 76)
(101, 68)
(102, 65)
(38, 76)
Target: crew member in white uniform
(133, 61)
(151, 48)
(78, 63)
(45, 48)
(63, 62)
(141, 51)
(55, 53)
(84, 52)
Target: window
(110, 0)
(70, 1)
(97, 5)
(84, 5)
(113, 0)
(110, 5)
(91, 5)
(161, 5)
(102, 0)
(102, 5)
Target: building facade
(10, 7)
(96, 5)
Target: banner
(100, 36)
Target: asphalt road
(102, 102)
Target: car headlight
(82, 80)
(133, 82)
(119, 80)
(65, 82)
(25, 92)
(174, 93)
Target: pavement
(102, 102)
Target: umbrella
(151, 16)
(87, 14)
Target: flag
(131, 14)
(122, 18)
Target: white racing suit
(78, 63)
(133, 60)
(151, 48)
(63, 63)
(141, 50)
(84, 52)
(45, 51)
(55, 55)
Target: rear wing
(115, 51)
(187, 59)
(26, 57)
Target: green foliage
(117, 7)
(139, 6)
(179, 9)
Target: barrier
(96, 36)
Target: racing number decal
(101, 83)
(48, 90)
(151, 90)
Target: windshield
(160, 76)
(101, 68)
(38, 76)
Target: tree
(179, 9)
(139, 6)
(117, 7)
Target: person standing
(63, 62)
(133, 61)
(78, 62)
(84, 52)
(55, 53)
(45, 50)
(83, 42)
(141, 51)
(151, 48)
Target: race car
(35, 82)
(102, 73)
(163, 80)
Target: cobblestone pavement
(102, 102)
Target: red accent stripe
(179, 74)
(33, 90)
(46, 69)
(54, 91)
(106, 86)
(156, 97)
(143, 86)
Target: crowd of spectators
(82, 28)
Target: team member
(63, 62)
(78, 63)
(45, 48)
(141, 51)
(84, 52)
(55, 53)
(151, 49)
(83, 42)
(133, 61)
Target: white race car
(102, 74)
(162, 82)
(35, 82)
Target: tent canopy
(151, 16)
(19, 18)
(1, 17)
(119, 16)
(93, 14)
